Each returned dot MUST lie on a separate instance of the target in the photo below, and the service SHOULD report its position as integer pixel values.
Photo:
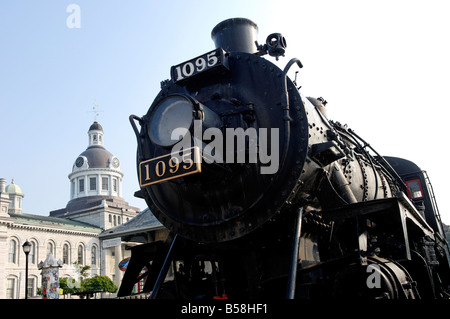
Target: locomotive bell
(235, 35)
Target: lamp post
(26, 249)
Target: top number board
(205, 62)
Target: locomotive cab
(420, 191)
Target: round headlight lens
(171, 113)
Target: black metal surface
(229, 200)
(235, 35)
(352, 204)
(292, 279)
(164, 269)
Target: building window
(115, 184)
(110, 218)
(66, 250)
(94, 255)
(81, 185)
(114, 220)
(12, 253)
(32, 254)
(10, 288)
(30, 286)
(50, 249)
(92, 183)
(104, 183)
(80, 255)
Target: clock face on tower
(116, 162)
(79, 162)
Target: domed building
(68, 240)
(96, 186)
(73, 233)
(95, 172)
(16, 196)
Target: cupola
(96, 171)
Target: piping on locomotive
(331, 216)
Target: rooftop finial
(95, 110)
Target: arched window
(12, 252)
(94, 255)
(50, 249)
(11, 288)
(80, 258)
(32, 254)
(66, 254)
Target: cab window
(414, 189)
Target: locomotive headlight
(179, 112)
(171, 113)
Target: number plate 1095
(205, 62)
(169, 166)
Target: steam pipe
(285, 98)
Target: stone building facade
(71, 233)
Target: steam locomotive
(265, 197)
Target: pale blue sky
(383, 67)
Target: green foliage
(82, 270)
(98, 283)
(85, 285)
(67, 287)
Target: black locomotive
(265, 197)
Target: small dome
(96, 126)
(97, 157)
(13, 188)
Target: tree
(82, 270)
(98, 283)
(68, 287)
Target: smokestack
(235, 35)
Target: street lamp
(26, 249)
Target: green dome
(13, 188)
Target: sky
(383, 66)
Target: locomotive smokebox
(235, 35)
